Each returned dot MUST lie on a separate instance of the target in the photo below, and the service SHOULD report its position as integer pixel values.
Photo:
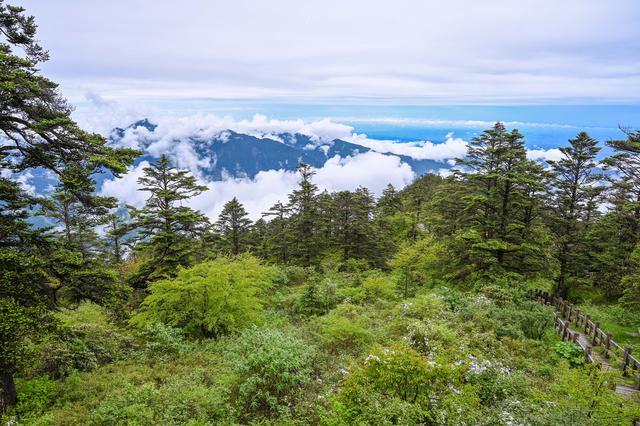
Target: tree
(37, 132)
(622, 233)
(390, 201)
(233, 225)
(352, 228)
(572, 190)
(168, 231)
(304, 217)
(501, 201)
(209, 299)
(278, 236)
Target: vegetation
(334, 308)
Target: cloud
(553, 154)
(419, 150)
(371, 170)
(462, 51)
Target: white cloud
(553, 154)
(419, 150)
(371, 170)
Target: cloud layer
(460, 51)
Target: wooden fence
(597, 339)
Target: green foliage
(85, 341)
(36, 395)
(570, 352)
(396, 385)
(418, 264)
(162, 342)
(272, 368)
(233, 226)
(210, 299)
(168, 231)
(344, 329)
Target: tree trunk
(8, 394)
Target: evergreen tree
(277, 238)
(571, 196)
(303, 205)
(38, 132)
(500, 204)
(390, 201)
(118, 227)
(168, 231)
(621, 235)
(233, 226)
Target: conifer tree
(304, 218)
(38, 132)
(168, 231)
(278, 237)
(233, 226)
(574, 177)
(621, 235)
(501, 199)
(389, 202)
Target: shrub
(570, 352)
(210, 299)
(271, 368)
(163, 342)
(35, 396)
(343, 329)
(85, 341)
(395, 385)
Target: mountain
(241, 155)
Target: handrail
(566, 313)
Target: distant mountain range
(240, 155)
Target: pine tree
(38, 132)
(233, 226)
(304, 228)
(168, 231)
(278, 237)
(501, 202)
(574, 177)
(390, 202)
(622, 233)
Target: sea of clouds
(373, 169)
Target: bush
(210, 299)
(570, 352)
(85, 341)
(343, 329)
(272, 368)
(35, 395)
(163, 342)
(396, 385)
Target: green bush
(271, 368)
(85, 341)
(35, 395)
(162, 342)
(397, 385)
(570, 352)
(343, 330)
(210, 299)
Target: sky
(336, 51)
(410, 77)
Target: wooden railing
(597, 339)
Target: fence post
(595, 332)
(575, 337)
(587, 353)
(564, 331)
(586, 325)
(607, 345)
(625, 360)
(577, 317)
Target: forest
(415, 307)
